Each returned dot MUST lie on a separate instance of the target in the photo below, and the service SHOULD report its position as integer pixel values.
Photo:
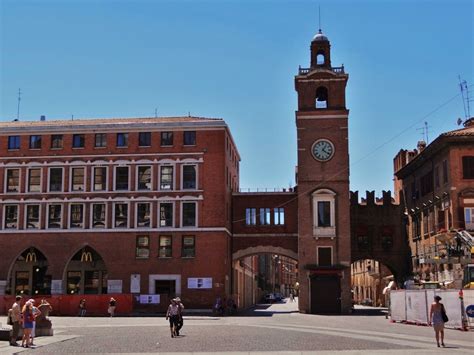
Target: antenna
(319, 8)
(465, 97)
(18, 109)
(424, 132)
(156, 112)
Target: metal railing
(267, 189)
(338, 70)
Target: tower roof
(320, 37)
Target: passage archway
(29, 274)
(368, 279)
(86, 273)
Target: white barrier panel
(469, 301)
(416, 306)
(397, 305)
(452, 304)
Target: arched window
(321, 97)
(324, 213)
(320, 58)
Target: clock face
(322, 150)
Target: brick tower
(323, 184)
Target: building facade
(139, 206)
(435, 185)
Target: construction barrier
(413, 306)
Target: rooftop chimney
(421, 146)
(469, 122)
(43, 118)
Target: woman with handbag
(438, 317)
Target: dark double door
(325, 294)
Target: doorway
(325, 294)
(165, 287)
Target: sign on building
(135, 283)
(114, 286)
(203, 282)
(149, 299)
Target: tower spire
(319, 8)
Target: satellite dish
(459, 121)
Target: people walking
(36, 313)
(112, 305)
(16, 320)
(82, 307)
(437, 319)
(27, 320)
(292, 297)
(180, 316)
(173, 314)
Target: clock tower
(323, 184)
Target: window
(279, 216)
(250, 216)
(324, 213)
(189, 137)
(54, 216)
(13, 180)
(98, 215)
(189, 177)
(76, 217)
(35, 142)
(121, 178)
(142, 250)
(56, 141)
(13, 142)
(469, 218)
(189, 214)
(320, 60)
(144, 139)
(55, 179)
(436, 176)
(321, 97)
(34, 180)
(122, 139)
(445, 171)
(77, 179)
(11, 217)
(32, 216)
(468, 167)
(324, 256)
(188, 249)
(166, 138)
(166, 214)
(100, 140)
(78, 140)
(100, 178)
(265, 215)
(121, 215)
(166, 178)
(387, 242)
(165, 246)
(362, 242)
(425, 223)
(426, 183)
(143, 215)
(144, 178)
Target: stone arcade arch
(85, 273)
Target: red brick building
(139, 206)
(435, 185)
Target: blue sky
(237, 60)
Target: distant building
(435, 185)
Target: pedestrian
(292, 297)
(437, 319)
(45, 307)
(27, 320)
(112, 305)
(180, 318)
(173, 314)
(16, 320)
(36, 313)
(82, 307)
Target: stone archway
(86, 273)
(29, 274)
